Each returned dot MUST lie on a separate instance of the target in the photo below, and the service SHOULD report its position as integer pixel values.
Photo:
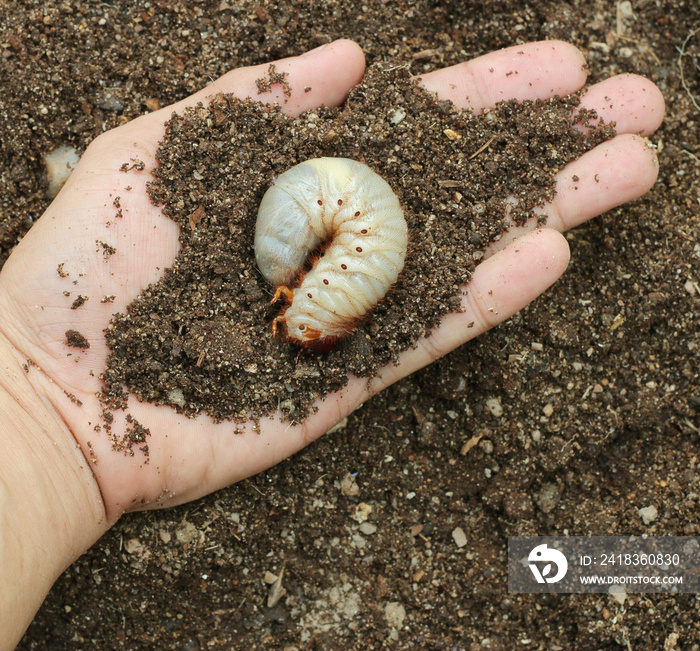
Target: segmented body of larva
(347, 209)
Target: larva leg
(282, 289)
(275, 321)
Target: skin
(58, 496)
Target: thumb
(321, 77)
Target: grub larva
(351, 214)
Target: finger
(632, 102)
(615, 172)
(500, 287)
(323, 76)
(619, 170)
(532, 71)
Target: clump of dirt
(200, 339)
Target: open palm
(103, 240)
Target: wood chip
(276, 591)
(196, 217)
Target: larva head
(302, 328)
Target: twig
(691, 154)
(618, 19)
(478, 151)
(644, 48)
(681, 54)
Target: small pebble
(362, 511)
(626, 9)
(395, 613)
(648, 514)
(547, 497)
(177, 397)
(495, 407)
(368, 528)
(397, 116)
(348, 486)
(459, 537)
(133, 546)
(617, 592)
(59, 164)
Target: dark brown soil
(583, 408)
(224, 361)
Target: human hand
(191, 457)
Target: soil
(568, 419)
(171, 348)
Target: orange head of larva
(305, 330)
(304, 333)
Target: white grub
(345, 207)
(59, 164)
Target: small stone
(617, 592)
(397, 116)
(548, 409)
(626, 52)
(395, 613)
(547, 497)
(188, 533)
(625, 8)
(459, 537)
(133, 546)
(59, 164)
(177, 397)
(352, 605)
(495, 407)
(111, 103)
(368, 528)
(648, 514)
(486, 446)
(362, 511)
(348, 486)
